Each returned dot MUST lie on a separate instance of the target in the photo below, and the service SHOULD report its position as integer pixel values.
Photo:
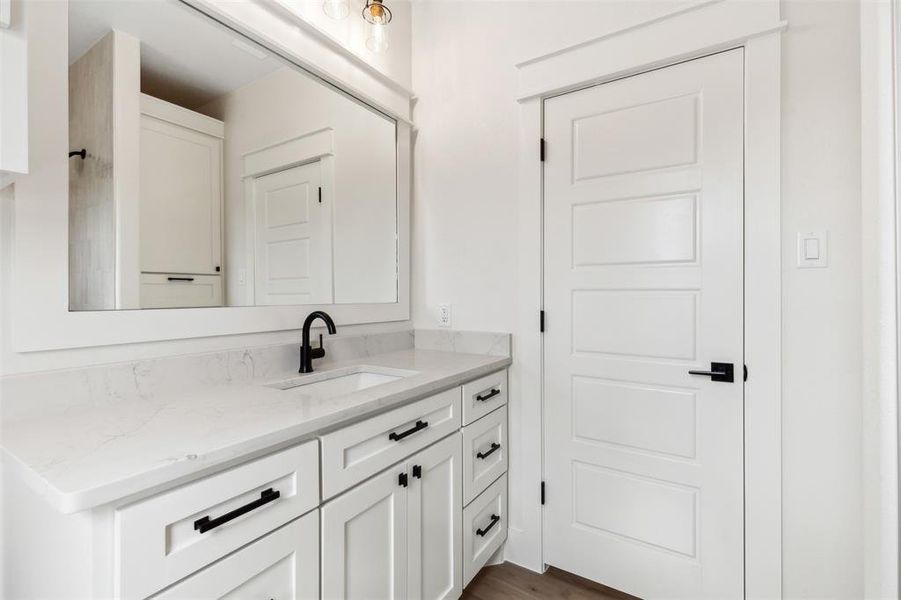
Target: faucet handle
(318, 352)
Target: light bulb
(378, 39)
(376, 12)
(336, 9)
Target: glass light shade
(376, 12)
(378, 39)
(336, 9)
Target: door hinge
(320, 195)
(746, 372)
(541, 149)
(542, 493)
(541, 321)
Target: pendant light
(378, 16)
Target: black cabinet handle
(484, 455)
(396, 437)
(180, 278)
(205, 524)
(494, 392)
(417, 471)
(494, 520)
(402, 480)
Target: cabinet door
(364, 540)
(434, 520)
(282, 565)
(181, 199)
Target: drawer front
(481, 538)
(168, 290)
(352, 454)
(283, 565)
(484, 453)
(484, 395)
(167, 537)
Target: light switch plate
(813, 249)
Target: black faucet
(307, 354)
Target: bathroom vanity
(378, 477)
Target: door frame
(702, 29)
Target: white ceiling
(186, 58)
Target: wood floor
(510, 581)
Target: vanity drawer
(483, 395)
(177, 290)
(484, 453)
(283, 565)
(352, 454)
(484, 528)
(167, 537)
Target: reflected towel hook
(82, 153)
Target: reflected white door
(293, 241)
(643, 282)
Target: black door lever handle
(718, 372)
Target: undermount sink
(341, 382)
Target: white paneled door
(644, 283)
(293, 240)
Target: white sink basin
(341, 382)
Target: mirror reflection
(206, 171)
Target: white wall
(822, 385)
(465, 235)
(284, 105)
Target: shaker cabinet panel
(357, 451)
(484, 395)
(484, 453)
(434, 522)
(171, 535)
(283, 565)
(484, 528)
(180, 193)
(364, 540)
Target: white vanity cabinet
(398, 535)
(418, 504)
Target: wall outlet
(444, 315)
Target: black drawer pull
(180, 278)
(205, 524)
(417, 471)
(484, 455)
(396, 437)
(402, 480)
(494, 520)
(494, 392)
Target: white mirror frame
(41, 317)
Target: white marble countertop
(87, 455)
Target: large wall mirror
(205, 171)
